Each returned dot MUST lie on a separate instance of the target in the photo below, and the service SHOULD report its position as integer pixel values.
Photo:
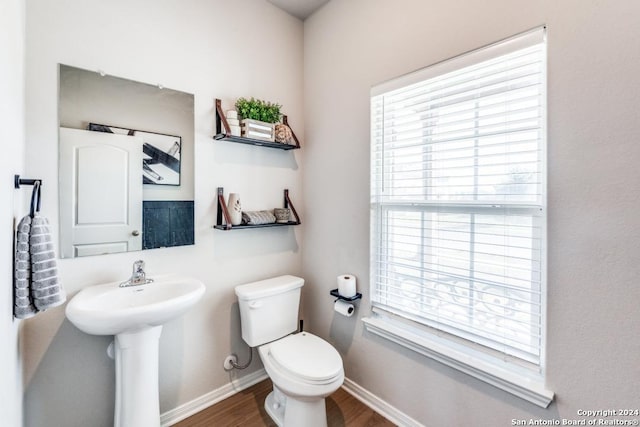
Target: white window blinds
(458, 196)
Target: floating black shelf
(245, 226)
(223, 221)
(223, 133)
(334, 292)
(251, 141)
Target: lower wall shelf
(246, 226)
(223, 221)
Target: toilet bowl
(303, 368)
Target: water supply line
(236, 365)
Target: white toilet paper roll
(347, 285)
(344, 308)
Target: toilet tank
(269, 308)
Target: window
(458, 201)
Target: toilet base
(275, 409)
(287, 411)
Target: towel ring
(17, 181)
(36, 196)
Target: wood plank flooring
(246, 409)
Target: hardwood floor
(246, 408)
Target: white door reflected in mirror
(103, 212)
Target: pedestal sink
(135, 315)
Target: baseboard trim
(185, 410)
(380, 406)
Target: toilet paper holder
(334, 292)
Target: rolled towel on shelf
(258, 217)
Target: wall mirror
(125, 164)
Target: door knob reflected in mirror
(135, 233)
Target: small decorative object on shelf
(282, 214)
(257, 109)
(224, 131)
(235, 209)
(234, 123)
(283, 134)
(257, 130)
(254, 219)
(258, 118)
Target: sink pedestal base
(137, 399)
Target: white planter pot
(255, 129)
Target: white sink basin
(135, 315)
(110, 310)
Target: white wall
(213, 49)
(594, 196)
(218, 48)
(11, 162)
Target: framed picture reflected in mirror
(161, 154)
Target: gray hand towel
(36, 285)
(45, 287)
(23, 306)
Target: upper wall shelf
(223, 133)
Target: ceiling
(299, 8)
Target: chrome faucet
(138, 276)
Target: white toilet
(304, 368)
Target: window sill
(457, 356)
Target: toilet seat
(307, 357)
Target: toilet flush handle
(255, 304)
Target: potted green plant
(258, 118)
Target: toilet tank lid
(268, 287)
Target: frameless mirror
(125, 164)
